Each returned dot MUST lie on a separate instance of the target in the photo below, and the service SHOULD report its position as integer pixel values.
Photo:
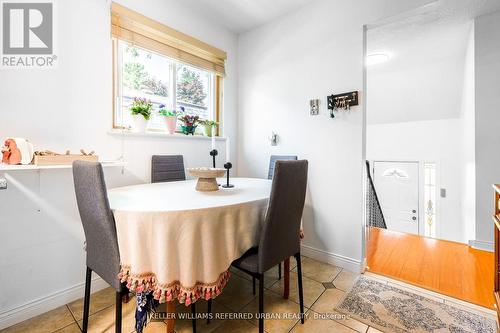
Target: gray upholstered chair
(167, 168)
(279, 237)
(274, 158)
(270, 174)
(103, 256)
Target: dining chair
(103, 256)
(167, 168)
(279, 237)
(274, 159)
(272, 162)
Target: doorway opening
(420, 134)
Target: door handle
(414, 211)
(414, 218)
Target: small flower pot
(207, 130)
(140, 124)
(171, 124)
(188, 129)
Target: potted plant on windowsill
(170, 118)
(189, 123)
(141, 112)
(209, 126)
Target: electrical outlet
(3, 184)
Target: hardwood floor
(449, 268)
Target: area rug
(391, 309)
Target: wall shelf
(7, 167)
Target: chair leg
(279, 271)
(261, 303)
(193, 312)
(118, 314)
(125, 293)
(209, 310)
(301, 294)
(86, 300)
(253, 284)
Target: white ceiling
(423, 79)
(243, 15)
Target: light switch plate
(3, 184)
(314, 107)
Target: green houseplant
(209, 126)
(189, 123)
(141, 112)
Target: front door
(396, 184)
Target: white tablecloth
(179, 243)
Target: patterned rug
(391, 309)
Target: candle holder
(228, 167)
(213, 153)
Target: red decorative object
(10, 153)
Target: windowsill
(162, 135)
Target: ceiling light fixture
(376, 58)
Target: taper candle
(228, 150)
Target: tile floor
(237, 297)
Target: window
(164, 81)
(430, 199)
(161, 64)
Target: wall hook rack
(342, 101)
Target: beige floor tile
(318, 271)
(320, 325)
(183, 324)
(326, 305)
(345, 280)
(312, 289)
(271, 277)
(73, 328)
(275, 305)
(352, 323)
(98, 301)
(236, 294)
(327, 302)
(237, 326)
(48, 322)
(104, 320)
(155, 327)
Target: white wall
(435, 141)
(69, 107)
(487, 74)
(468, 143)
(310, 54)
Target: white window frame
(214, 110)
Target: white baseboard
(482, 245)
(44, 304)
(346, 263)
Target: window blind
(142, 31)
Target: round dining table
(178, 243)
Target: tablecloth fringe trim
(146, 282)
